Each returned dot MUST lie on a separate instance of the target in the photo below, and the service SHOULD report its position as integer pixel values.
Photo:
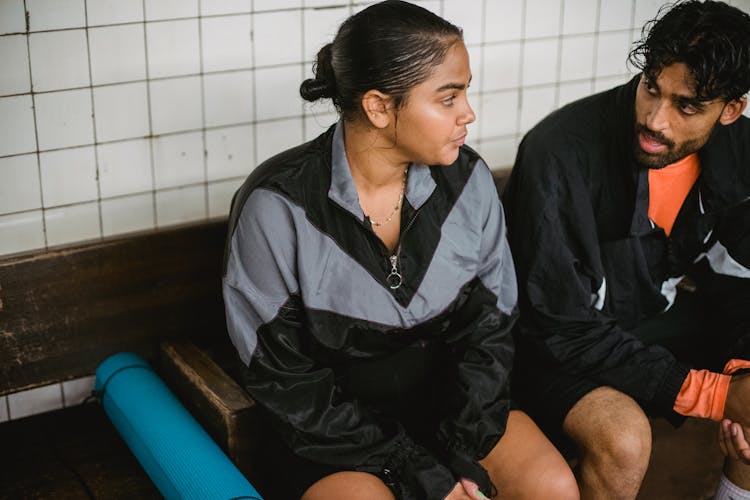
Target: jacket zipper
(394, 278)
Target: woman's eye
(449, 101)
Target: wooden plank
(65, 310)
(224, 409)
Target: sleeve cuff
(463, 467)
(412, 473)
(703, 394)
(666, 396)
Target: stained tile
(118, 54)
(176, 105)
(15, 57)
(114, 11)
(227, 43)
(20, 232)
(59, 60)
(173, 48)
(17, 134)
(228, 98)
(19, 184)
(124, 168)
(278, 38)
(127, 214)
(72, 223)
(76, 391)
(64, 119)
(278, 136)
(121, 111)
(68, 176)
(35, 401)
(53, 14)
(13, 18)
(178, 159)
(177, 206)
(230, 152)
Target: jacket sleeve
(726, 279)
(477, 400)
(261, 296)
(553, 235)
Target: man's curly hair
(711, 38)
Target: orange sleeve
(704, 393)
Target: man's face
(670, 121)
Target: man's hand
(732, 441)
(737, 407)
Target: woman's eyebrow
(454, 86)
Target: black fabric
(348, 369)
(577, 208)
(306, 183)
(548, 394)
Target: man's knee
(610, 428)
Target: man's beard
(674, 153)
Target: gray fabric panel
(278, 239)
(332, 281)
(265, 237)
(420, 183)
(722, 262)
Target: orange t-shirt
(667, 189)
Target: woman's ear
(375, 107)
(732, 110)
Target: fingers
(739, 442)
(459, 493)
(724, 436)
(472, 490)
(725, 439)
(733, 442)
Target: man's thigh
(548, 394)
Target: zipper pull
(394, 279)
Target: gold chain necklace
(396, 208)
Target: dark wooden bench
(62, 312)
(157, 293)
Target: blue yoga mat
(179, 456)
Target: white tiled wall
(146, 113)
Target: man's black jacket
(590, 263)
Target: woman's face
(432, 124)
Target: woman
(370, 291)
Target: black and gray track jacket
(591, 265)
(306, 296)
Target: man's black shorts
(547, 394)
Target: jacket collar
(419, 185)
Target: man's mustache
(657, 136)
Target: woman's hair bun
(313, 89)
(323, 84)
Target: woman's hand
(465, 490)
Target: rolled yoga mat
(178, 455)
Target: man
(629, 221)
